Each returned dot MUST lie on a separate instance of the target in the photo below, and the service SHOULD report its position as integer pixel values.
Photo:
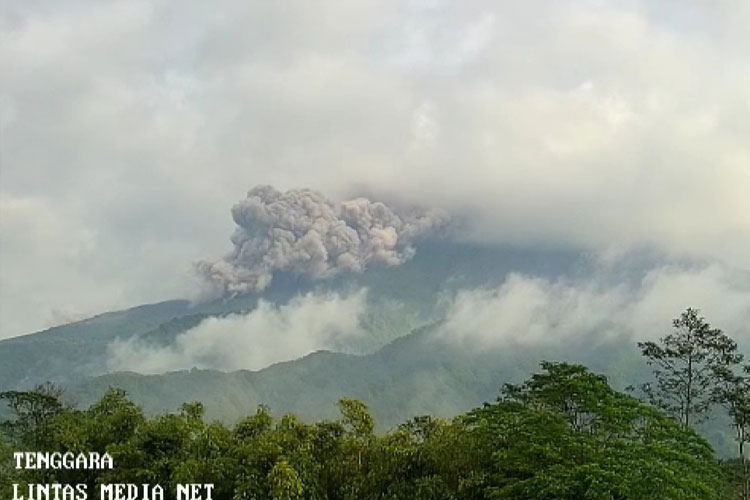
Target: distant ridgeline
(399, 367)
(68, 353)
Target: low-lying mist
(268, 334)
(523, 310)
(529, 310)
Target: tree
(284, 482)
(8, 472)
(567, 389)
(686, 366)
(112, 419)
(254, 425)
(356, 418)
(563, 434)
(34, 412)
(734, 395)
(566, 434)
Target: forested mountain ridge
(70, 352)
(401, 366)
(413, 375)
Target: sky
(128, 129)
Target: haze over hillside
(437, 332)
(308, 274)
(410, 203)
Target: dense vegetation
(562, 434)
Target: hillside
(400, 366)
(400, 299)
(414, 375)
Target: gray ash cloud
(303, 232)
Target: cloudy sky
(128, 129)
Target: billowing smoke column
(303, 232)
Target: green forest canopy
(563, 434)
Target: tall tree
(34, 412)
(734, 395)
(686, 366)
(566, 434)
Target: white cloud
(55, 248)
(586, 124)
(266, 335)
(530, 310)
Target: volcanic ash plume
(303, 232)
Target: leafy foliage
(734, 394)
(686, 366)
(592, 442)
(563, 434)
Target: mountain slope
(400, 299)
(69, 352)
(413, 375)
